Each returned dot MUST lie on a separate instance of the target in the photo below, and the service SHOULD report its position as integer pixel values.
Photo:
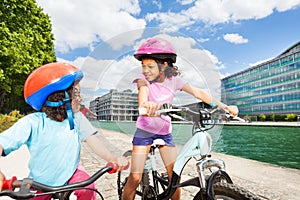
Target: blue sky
(235, 34)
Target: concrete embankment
(271, 124)
(267, 181)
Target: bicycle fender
(211, 181)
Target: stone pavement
(267, 181)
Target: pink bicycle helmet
(156, 48)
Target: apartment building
(116, 106)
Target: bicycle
(212, 180)
(27, 188)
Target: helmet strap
(66, 101)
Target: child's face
(76, 98)
(150, 69)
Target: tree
(26, 42)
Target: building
(272, 87)
(116, 106)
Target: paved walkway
(268, 181)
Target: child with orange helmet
(157, 85)
(54, 133)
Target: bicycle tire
(227, 191)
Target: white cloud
(235, 38)
(213, 12)
(78, 23)
(198, 67)
(157, 3)
(169, 22)
(185, 2)
(260, 62)
(224, 75)
(202, 40)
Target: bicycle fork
(207, 183)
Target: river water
(274, 145)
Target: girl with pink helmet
(157, 85)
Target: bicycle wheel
(227, 191)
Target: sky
(213, 38)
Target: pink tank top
(162, 93)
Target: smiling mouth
(147, 77)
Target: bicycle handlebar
(26, 184)
(171, 109)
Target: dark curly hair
(171, 70)
(57, 113)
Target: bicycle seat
(158, 142)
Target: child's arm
(143, 92)
(207, 98)
(100, 149)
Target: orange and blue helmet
(48, 79)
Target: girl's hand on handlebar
(233, 110)
(151, 108)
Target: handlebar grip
(8, 184)
(142, 111)
(114, 166)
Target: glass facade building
(116, 106)
(272, 87)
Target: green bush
(7, 120)
(262, 117)
(290, 117)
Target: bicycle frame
(198, 145)
(212, 179)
